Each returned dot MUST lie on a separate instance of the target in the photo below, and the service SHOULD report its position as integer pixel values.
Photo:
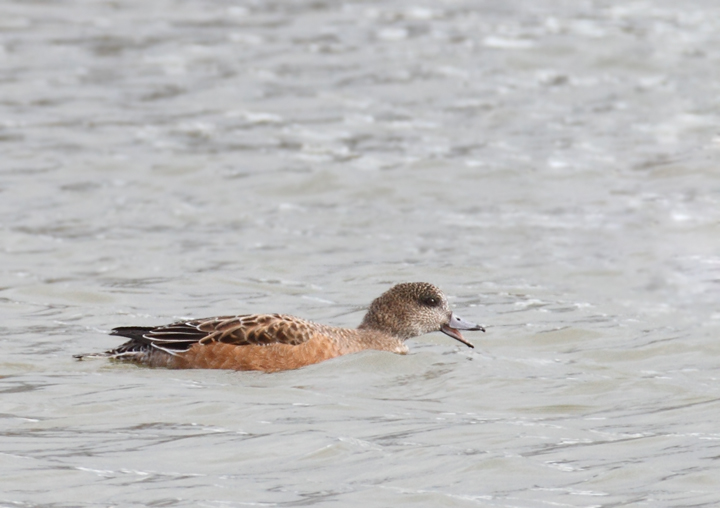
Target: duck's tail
(136, 346)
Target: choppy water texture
(552, 165)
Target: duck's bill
(456, 323)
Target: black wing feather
(176, 337)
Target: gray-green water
(553, 166)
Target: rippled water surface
(552, 165)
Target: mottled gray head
(415, 308)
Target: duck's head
(411, 309)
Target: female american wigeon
(274, 342)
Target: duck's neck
(352, 341)
(387, 324)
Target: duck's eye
(431, 301)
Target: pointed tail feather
(130, 348)
(132, 332)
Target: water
(551, 165)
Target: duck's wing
(255, 329)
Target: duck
(278, 342)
